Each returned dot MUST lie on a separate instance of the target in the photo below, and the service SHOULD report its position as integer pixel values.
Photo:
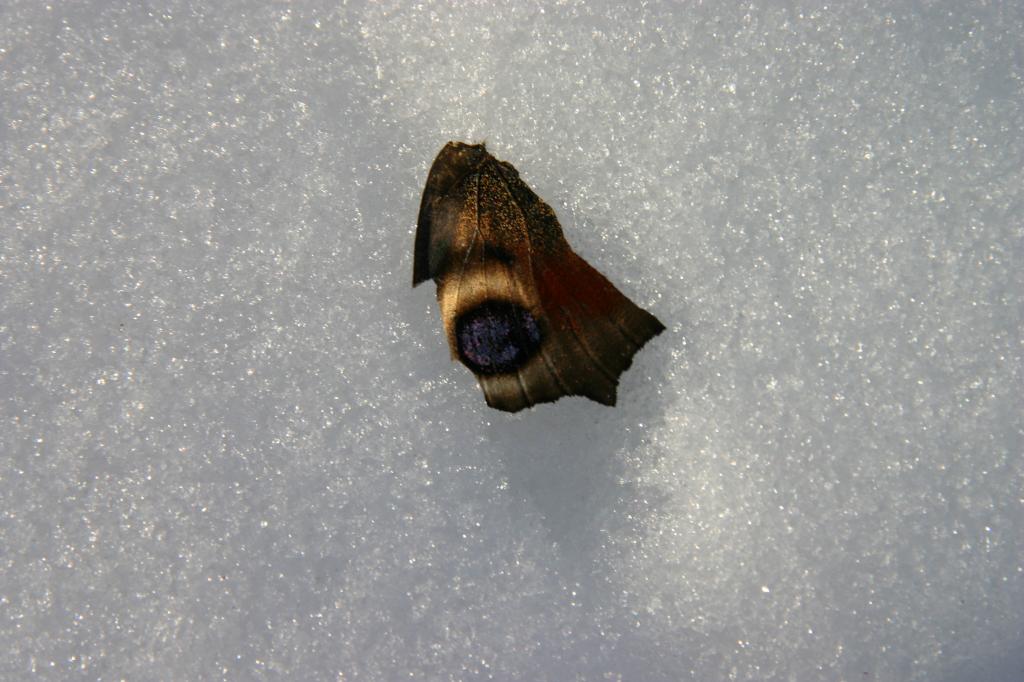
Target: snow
(235, 445)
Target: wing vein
(586, 349)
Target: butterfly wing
(528, 316)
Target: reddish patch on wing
(569, 286)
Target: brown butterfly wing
(528, 316)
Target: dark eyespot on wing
(496, 337)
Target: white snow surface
(233, 443)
